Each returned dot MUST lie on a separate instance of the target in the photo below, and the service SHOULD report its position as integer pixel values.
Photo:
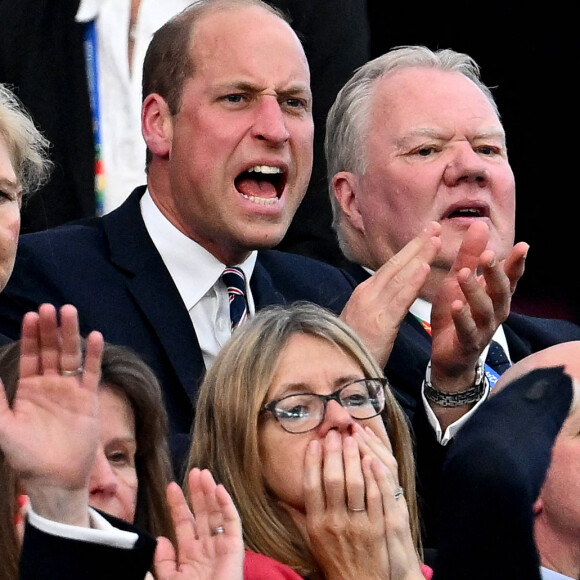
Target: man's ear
(538, 506)
(345, 188)
(157, 125)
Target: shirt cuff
(450, 432)
(100, 532)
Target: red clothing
(259, 567)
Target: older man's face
(436, 152)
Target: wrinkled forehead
(422, 95)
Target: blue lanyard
(90, 45)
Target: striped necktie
(496, 358)
(235, 282)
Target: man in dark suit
(229, 134)
(415, 137)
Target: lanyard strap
(90, 45)
(491, 374)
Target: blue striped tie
(235, 282)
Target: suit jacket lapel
(264, 292)
(151, 285)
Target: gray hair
(27, 147)
(349, 117)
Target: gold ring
(74, 373)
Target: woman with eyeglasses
(296, 420)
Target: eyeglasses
(363, 399)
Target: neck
(559, 549)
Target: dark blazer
(110, 270)
(492, 477)
(47, 557)
(406, 371)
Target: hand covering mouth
(261, 184)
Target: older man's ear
(344, 187)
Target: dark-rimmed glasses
(299, 413)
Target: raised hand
(210, 545)
(378, 305)
(470, 306)
(50, 434)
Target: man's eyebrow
(248, 87)
(418, 133)
(429, 133)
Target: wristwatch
(466, 397)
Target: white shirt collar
(193, 269)
(551, 575)
(88, 10)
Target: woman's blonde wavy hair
(226, 430)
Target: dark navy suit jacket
(110, 270)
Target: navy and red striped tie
(235, 282)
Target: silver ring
(399, 492)
(217, 531)
(74, 373)
(356, 509)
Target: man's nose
(466, 165)
(270, 121)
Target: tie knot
(235, 281)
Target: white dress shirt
(123, 148)
(196, 274)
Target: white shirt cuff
(100, 532)
(450, 432)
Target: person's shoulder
(542, 332)
(65, 233)
(305, 266)
(283, 277)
